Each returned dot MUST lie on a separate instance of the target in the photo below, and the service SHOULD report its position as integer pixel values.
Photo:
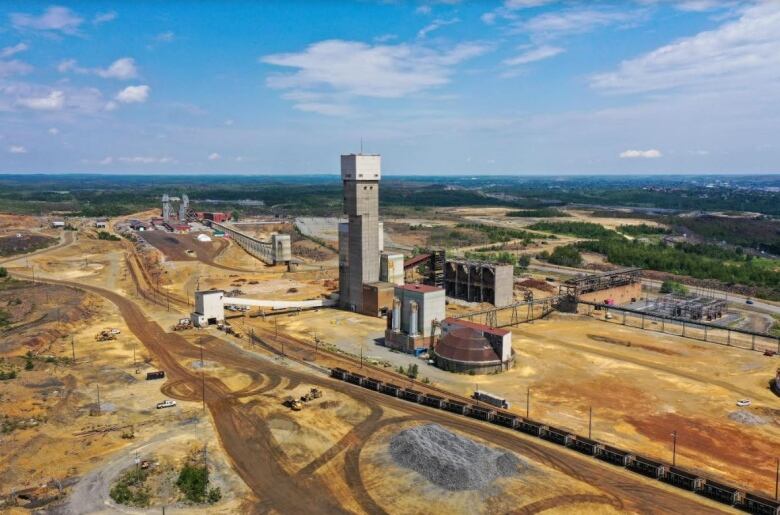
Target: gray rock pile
(449, 460)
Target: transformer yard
(87, 410)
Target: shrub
(130, 489)
(215, 494)
(105, 235)
(193, 482)
(669, 286)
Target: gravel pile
(745, 417)
(451, 461)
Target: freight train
(675, 476)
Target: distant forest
(112, 195)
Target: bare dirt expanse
(333, 451)
(641, 385)
(53, 434)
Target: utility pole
(527, 402)
(674, 448)
(590, 421)
(202, 379)
(777, 477)
(73, 349)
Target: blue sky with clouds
(513, 87)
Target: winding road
(262, 465)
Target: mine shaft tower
(359, 261)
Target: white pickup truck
(166, 404)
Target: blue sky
(437, 87)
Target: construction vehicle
(293, 404)
(314, 393)
(183, 324)
(105, 335)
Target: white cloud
(55, 19)
(507, 10)
(381, 71)
(423, 9)
(641, 154)
(67, 65)
(165, 37)
(110, 106)
(740, 53)
(133, 94)
(229, 122)
(535, 54)
(324, 108)
(53, 131)
(106, 160)
(11, 50)
(554, 24)
(104, 17)
(489, 18)
(17, 149)
(214, 156)
(122, 69)
(699, 6)
(525, 4)
(435, 25)
(14, 67)
(239, 159)
(146, 160)
(54, 101)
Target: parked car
(168, 403)
(749, 301)
(743, 403)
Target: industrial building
(417, 309)
(359, 240)
(274, 251)
(692, 307)
(614, 287)
(210, 305)
(171, 213)
(477, 281)
(378, 298)
(468, 347)
(391, 268)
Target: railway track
(250, 446)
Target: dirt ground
(53, 433)
(271, 459)
(573, 363)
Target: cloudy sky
(437, 87)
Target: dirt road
(248, 441)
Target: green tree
(523, 261)
(566, 256)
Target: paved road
(90, 494)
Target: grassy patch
(579, 229)
(544, 212)
(131, 490)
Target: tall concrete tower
(359, 258)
